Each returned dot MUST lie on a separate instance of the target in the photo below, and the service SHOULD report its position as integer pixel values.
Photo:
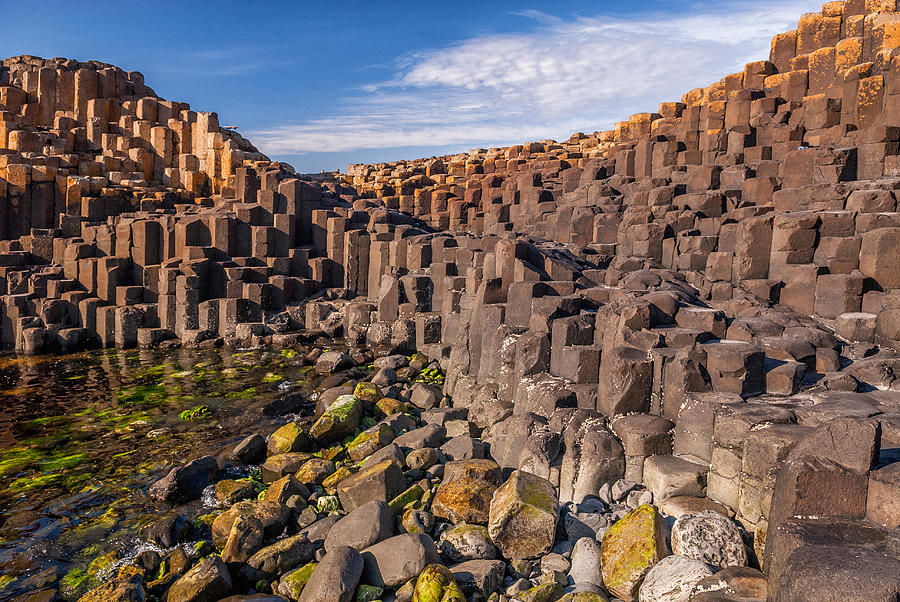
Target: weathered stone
(375, 482)
(523, 516)
(398, 559)
(479, 577)
(465, 493)
(466, 542)
(363, 527)
(709, 537)
(673, 579)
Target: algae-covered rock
(127, 586)
(206, 582)
(291, 584)
(417, 521)
(245, 539)
(523, 515)
(437, 584)
(369, 441)
(413, 493)
(466, 491)
(630, 548)
(289, 438)
(229, 491)
(284, 489)
(339, 420)
(388, 406)
(368, 593)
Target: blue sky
(322, 85)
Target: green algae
(196, 413)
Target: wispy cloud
(570, 74)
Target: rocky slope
(705, 300)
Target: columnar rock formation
(705, 299)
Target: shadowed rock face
(726, 267)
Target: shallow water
(82, 436)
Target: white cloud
(575, 74)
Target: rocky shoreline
(414, 507)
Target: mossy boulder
(334, 479)
(230, 491)
(368, 392)
(523, 515)
(466, 491)
(289, 438)
(388, 406)
(284, 489)
(369, 441)
(630, 548)
(314, 471)
(291, 584)
(584, 596)
(437, 584)
(280, 557)
(409, 496)
(276, 467)
(339, 420)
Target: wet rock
(185, 483)
(377, 482)
(673, 579)
(479, 577)
(339, 420)
(206, 582)
(251, 450)
(291, 403)
(167, 531)
(289, 438)
(467, 542)
(280, 557)
(710, 538)
(466, 491)
(335, 578)
(126, 586)
(523, 515)
(628, 550)
(398, 559)
(437, 584)
(333, 361)
(365, 526)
